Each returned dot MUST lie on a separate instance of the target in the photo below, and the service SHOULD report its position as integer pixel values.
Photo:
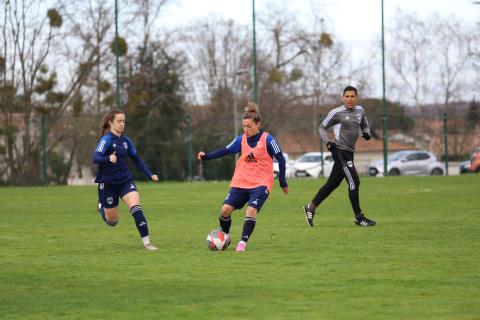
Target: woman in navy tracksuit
(114, 178)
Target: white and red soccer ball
(218, 240)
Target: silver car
(310, 164)
(408, 162)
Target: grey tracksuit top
(347, 126)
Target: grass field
(58, 260)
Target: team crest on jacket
(250, 158)
(125, 145)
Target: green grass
(58, 260)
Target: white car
(408, 162)
(310, 165)
(288, 167)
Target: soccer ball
(218, 240)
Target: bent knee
(226, 211)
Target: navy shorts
(109, 193)
(256, 197)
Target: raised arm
(232, 148)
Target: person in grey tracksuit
(348, 122)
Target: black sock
(248, 227)
(140, 220)
(225, 223)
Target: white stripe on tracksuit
(102, 144)
(275, 146)
(351, 182)
(331, 114)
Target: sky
(356, 22)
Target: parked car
(464, 167)
(310, 164)
(408, 162)
(288, 167)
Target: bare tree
(216, 50)
(53, 65)
(430, 58)
(304, 62)
(28, 39)
(283, 42)
(453, 42)
(324, 64)
(144, 13)
(89, 89)
(409, 49)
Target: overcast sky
(356, 22)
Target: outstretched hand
(285, 190)
(201, 155)
(154, 177)
(366, 136)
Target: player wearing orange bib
(253, 178)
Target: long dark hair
(107, 118)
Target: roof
(301, 143)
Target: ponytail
(107, 118)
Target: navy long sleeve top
(123, 148)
